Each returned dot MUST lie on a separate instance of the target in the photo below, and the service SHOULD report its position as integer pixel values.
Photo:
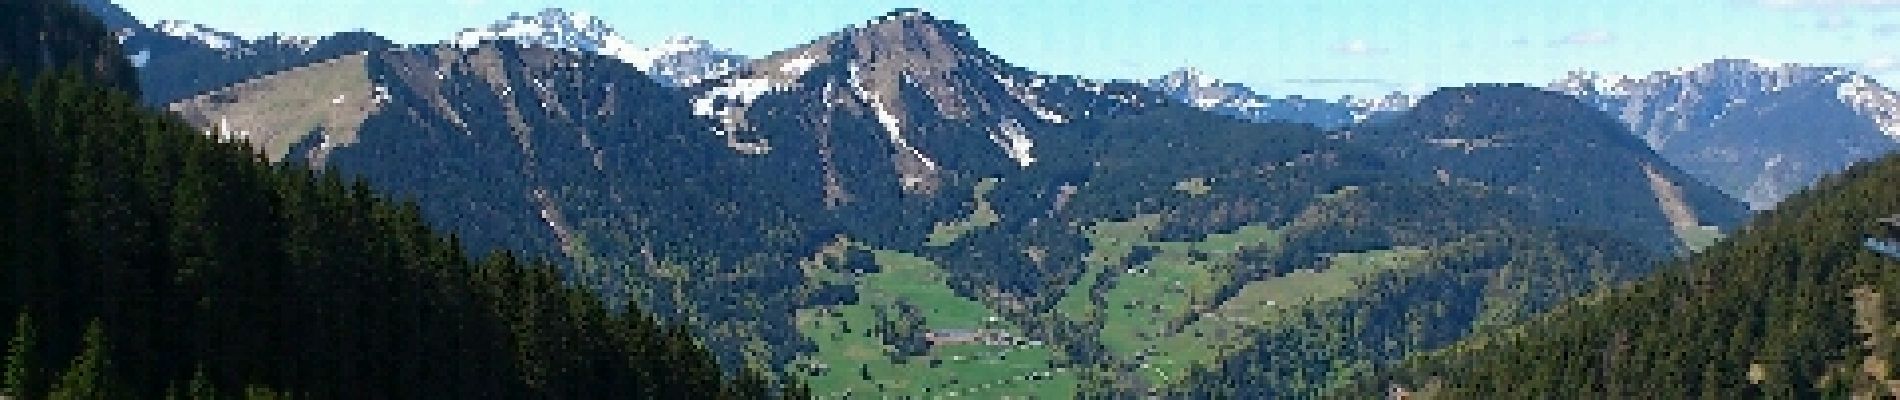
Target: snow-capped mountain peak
(1733, 121)
(1695, 96)
(1196, 88)
(678, 61)
(554, 28)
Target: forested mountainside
(1371, 253)
(1572, 164)
(144, 259)
(1794, 306)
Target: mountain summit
(553, 27)
(935, 93)
(679, 61)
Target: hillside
(1574, 165)
(145, 260)
(1793, 307)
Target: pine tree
(200, 387)
(19, 372)
(90, 377)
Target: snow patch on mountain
(726, 103)
(1015, 141)
(198, 33)
(894, 126)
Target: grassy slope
(1159, 317)
(847, 346)
(280, 110)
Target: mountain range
(1716, 119)
(836, 209)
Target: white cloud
(1357, 47)
(1585, 38)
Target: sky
(1310, 48)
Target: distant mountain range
(1190, 86)
(181, 59)
(1758, 132)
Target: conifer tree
(90, 377)
(200, 388)
(19, 373)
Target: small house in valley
(991, 337)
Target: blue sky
(1315, 48)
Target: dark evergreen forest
(140, 258)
